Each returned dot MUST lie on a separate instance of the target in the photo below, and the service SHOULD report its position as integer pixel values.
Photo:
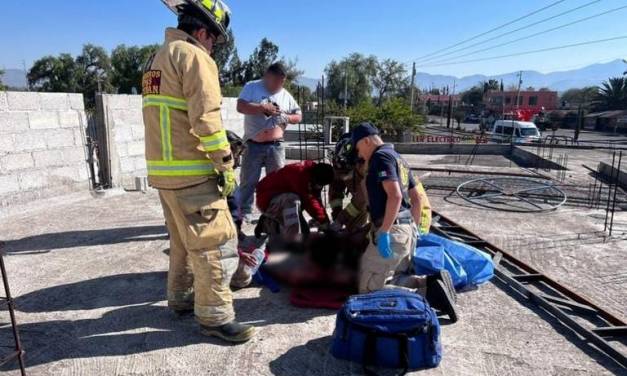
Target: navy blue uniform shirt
(386, 164)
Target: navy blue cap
(363, 130)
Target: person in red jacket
(284, 194)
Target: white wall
(42, 146)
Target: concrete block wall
(124, 122)
(232, 120)
(42, 146)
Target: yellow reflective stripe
(352, 210)
(216, 141)
(337, 203)
(166, 133)
(425, 220)
(165, 100)
(180, 168)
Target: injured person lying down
(326, 260)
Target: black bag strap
(370, 352)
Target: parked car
(522, 132)
(471, 119)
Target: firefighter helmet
(344, 156)
(214, 13)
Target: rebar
(609, 192)
(616, 181)
(8, 299)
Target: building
(532, 101)
(430, 100)
(615, 121)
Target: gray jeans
(255, 157)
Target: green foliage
(583, 96)
(262, 56)
(2, 87)
(612, 95)
(85, 74)
(393, 117)
(364, 112)
(54, 74)
(490, 85)
(474, 95)
(128, 66)
(389, 79)
(94, 72)
(222, 55)
(358, 70)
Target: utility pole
(518, 92)
(345, 89)
(517, 105)
(413, 85)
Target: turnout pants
(285, 210)
(203, 252)
(376, 272)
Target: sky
(316, 32)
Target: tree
(236, 70)
(396, 116)
(260, 59)
(94, 72)
(390, 77)
(393, 117)
(612, 95)
(292, 74)
(357, 70)
(490, 85)
(2, 87)
(474, 95)
(128, 65)
(54, 74)
(576, 97)
(222, 55)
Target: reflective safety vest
(185, 141)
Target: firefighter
(394, 208)
(189, 161)
(349, 179)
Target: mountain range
(560, 81)
(590, 75)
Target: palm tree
(612, 95)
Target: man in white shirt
(269, 108)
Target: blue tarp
(467, 265)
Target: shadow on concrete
(315, 357)
(137, 321)
(109, 291)
(70, 239)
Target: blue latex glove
(383, 244)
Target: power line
(533, 35)
(493, 29)
(438, 56)
(530, 51)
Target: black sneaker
(231, 332)
(444, 276)
(442, 297)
